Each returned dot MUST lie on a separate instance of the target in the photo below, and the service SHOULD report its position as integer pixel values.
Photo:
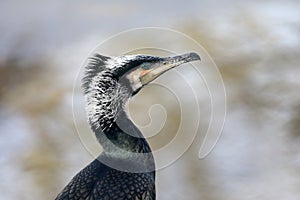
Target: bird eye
(146, 66)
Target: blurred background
(255, 46)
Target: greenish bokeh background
(255, 46)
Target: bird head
(110, 81)
(134, 71)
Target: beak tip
(194, 56)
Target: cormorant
(125, 169)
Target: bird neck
(122, 135)
(106, 100)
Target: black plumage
(98, 181)
(126, 168)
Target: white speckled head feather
(105, 97)
(119, 61)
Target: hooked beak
(166, 64)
